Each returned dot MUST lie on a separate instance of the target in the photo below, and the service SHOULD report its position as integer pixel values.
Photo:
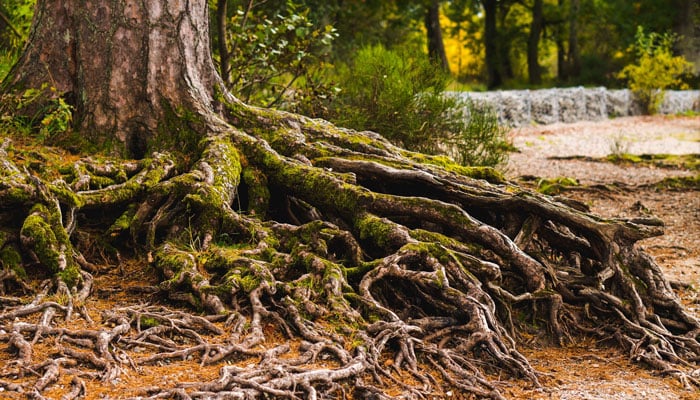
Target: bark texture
(392, 268)
(126, 66)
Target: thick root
(374, 263)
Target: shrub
(274, 57)
(40, 112)
(15, 20)
(655, 70)
(402, 98)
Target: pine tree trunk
(127, 67)
(574, 54)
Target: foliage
(402, 98)
(47, 119)
(275, 61)
(15, 21)
(655, 69)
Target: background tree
(533, 43)
(436, 46)
(687, 26)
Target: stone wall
(547, 106)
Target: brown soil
(589, 370)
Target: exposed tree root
(377, 264)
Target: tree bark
(436, 46)
(127, 67)
(221, 20)
(574, 53)
(533, 42)
(687, 26)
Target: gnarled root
(379, 267)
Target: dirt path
(587, 371)
(634, 135)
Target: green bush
(655, 70)
(275, 60)
(50, 118)
(402, 98)
(16, 19)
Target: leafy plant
(30, 113)
(655, 70)
(17, 18)
(274, 61)
(402, 98)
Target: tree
(533, 42)
(687, 26)
(350, 246)
(491, 44)
(436, 46)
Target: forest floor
(552, 153)
(582, 370)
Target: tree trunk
(574, 55)
(436, 46)
(687, 26)
(221, 20)
(127, 68)
(504, 43)
(493, 64)
(369, 262)
(533, 43)
(562, 75)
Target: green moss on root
(12, 260)
(50, 243)
(488, 174)
(258, 191)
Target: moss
(240, 273)
(16, 195)
(50, 243)
(680, 182)
(70, 275)
(123, 223)
(148, 322)
(360, 270)
(684, 161)
(378, 230)
(65, 194)
(249, 283)
(258, 191)
(179, 131)
(44, 239)
(488, 174)
(430, 236)
(99, 182)
(10, 258)
(556, 185)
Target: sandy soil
(590, 372)
(635, 135)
